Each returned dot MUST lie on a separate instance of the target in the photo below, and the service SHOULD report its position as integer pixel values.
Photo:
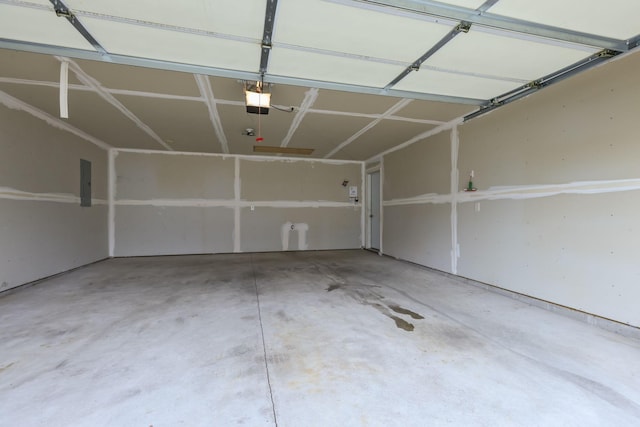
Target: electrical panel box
(85, 183)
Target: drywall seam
(430, 198)
(204, 86)
(522, 192)
(111, 194)
(56, 85)
(104, 94)
(14, 194)
(128, 92)
(455, 251)
(395, 108)
(412, 120)
(236, 208)
(252, 158)
(233, 203)
(16, 104)
(547, 190)
(419, 137)
(363, 201)
(310, 97)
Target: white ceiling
(404, 49)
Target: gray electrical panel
(85, 182)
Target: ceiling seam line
(337, 54)
(63, 11)
(164, 27)
(417, 138)
(27, 82)
(142, 94)
(396, 107)
(17, 104)
(105, 95)
(28, 5)
(204, 86)
(310, 97)
(435, 8)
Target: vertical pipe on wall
(381, 205)
(111, 196)
(455, 143)
(236, 208)
(363, 203)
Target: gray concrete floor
(342, 338)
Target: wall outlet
(353, 191)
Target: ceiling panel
(613, 18)
(174, 46)
(31, 66)
(87, 112)
(287, 96)
(126, 77)
(438, 82)
(39, 26)
(228, 89)
(324, 133)
(341, 28)
(41, 97)
(183, 125)
(241, 18)
(235, 119)
(483, 53)
(329, 68)
(92, 114)
(433, 110)
(385, 135)
(353, 102)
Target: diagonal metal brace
(63, 11)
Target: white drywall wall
(557, 204)
(43, 229)
(180, 203)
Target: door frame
(369, 172)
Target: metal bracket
(267, 34)
(463, 27)
(63, 11)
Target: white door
(374, 209)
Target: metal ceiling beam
(222, 72)
(479, 17)
(267, 34)
(463, 27)
(548, 80)
(62, 10)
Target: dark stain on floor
(401, 310)
(401, 323)
(364, 294)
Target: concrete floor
(343, 338)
